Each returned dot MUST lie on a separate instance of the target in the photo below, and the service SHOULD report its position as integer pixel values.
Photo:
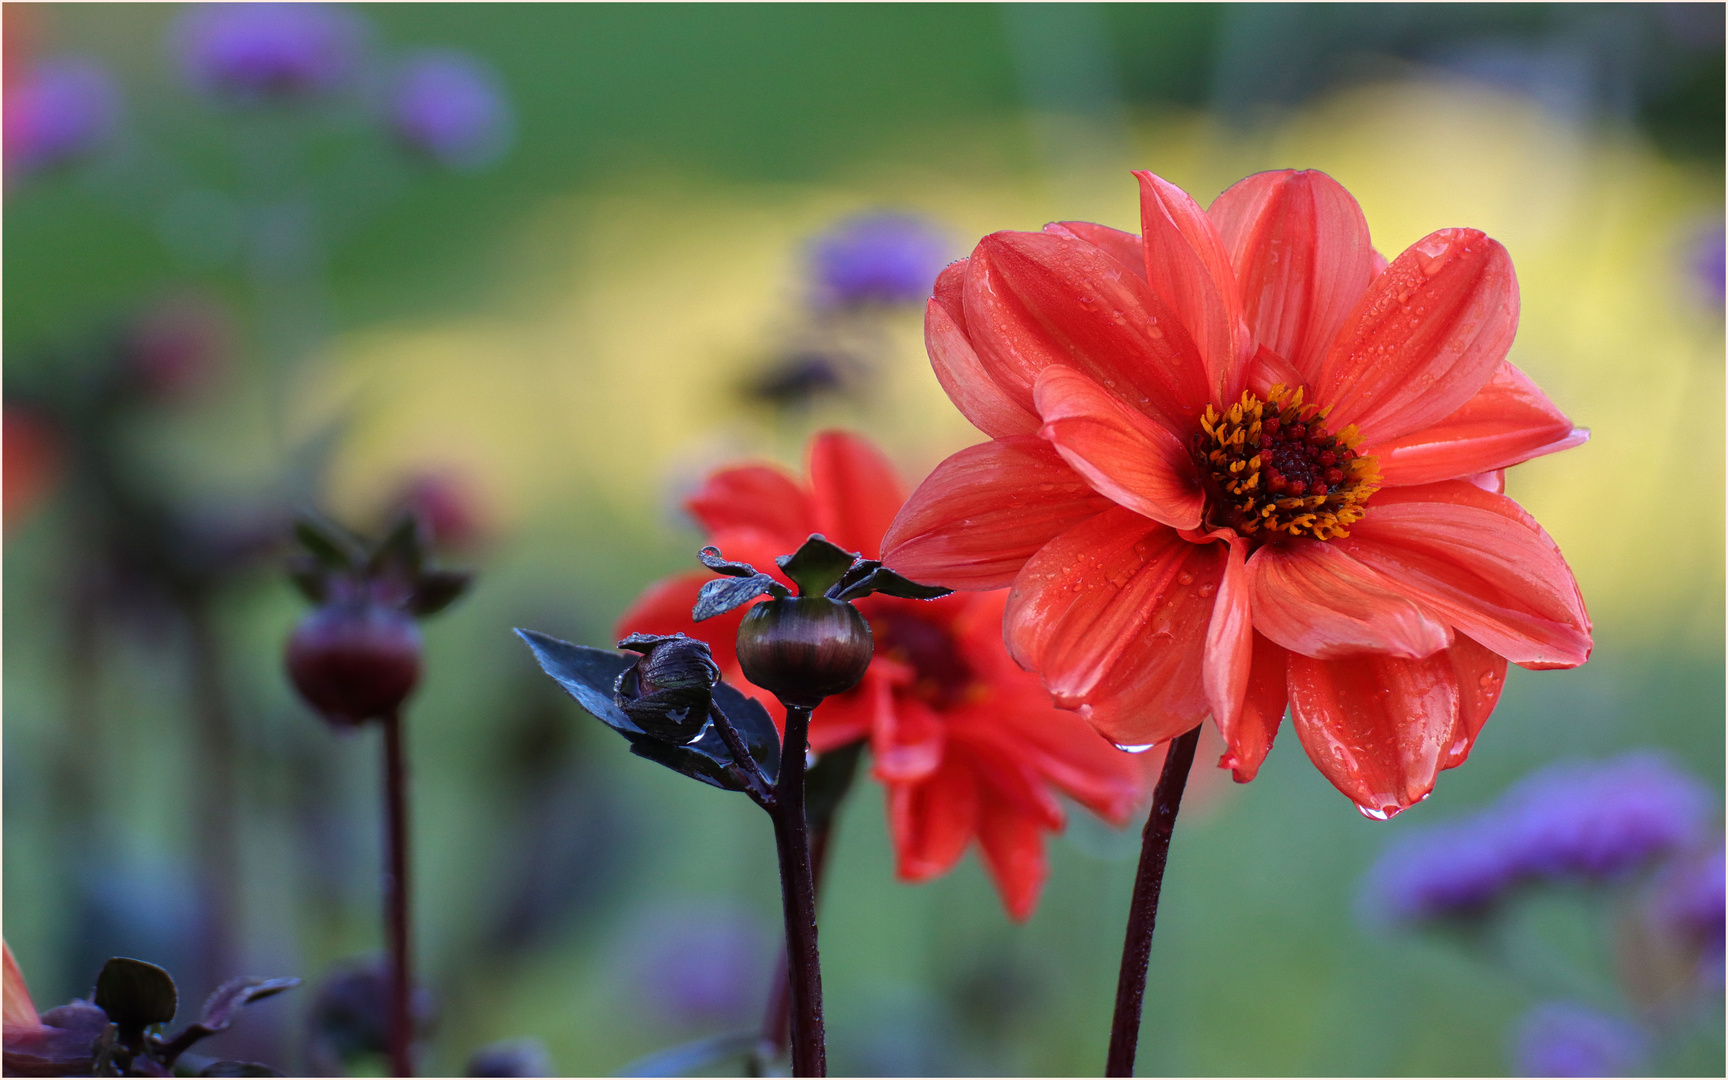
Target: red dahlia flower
(967, 744)
(1241, 461)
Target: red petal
(1299, 246)
(1120, 452)
(950, 292)
(1062, 748)
(1188, 270)
(1508, 421)
(1229, 641)
(1110, 615)
(1124, 247)
(1013, 848)
(855, 491)
(908, 740)
(976, 519)
(1426, 337)
(1267, 369)
(1036, 299)
(933, 820)
(968, 384)
(1313, 599)
(1481, 563)
(844, 718)
(1249, 740)
(1379, 727)
(1481, 676)
(761, 497)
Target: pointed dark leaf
(238, 1068)
(754, 726)
(713, 560)
(435, 590)
(816, 565)
(828, 781)
(235, 994)
(310, 577)
(402, 551)
(705, 759)
(723, 594)
(886, 582)
(327, 542)
(586, 674)
(134, 993)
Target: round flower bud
(804, 648)
(355, 662)
(668, 690)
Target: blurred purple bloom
(449, 106)
(1598, 819)
(1708, 263)
(60, 111)
(1446, 871)
(702, 966)
(1691, 904)
(1560, 1038)
(1570, 820)
(513, 1057)
(267, 51)
(883, 258)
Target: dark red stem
(396, 895)
(776, 1026)
(798, 898)
(1143, 911)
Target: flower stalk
(1143, 909)
(798, 900)
(401, 1033)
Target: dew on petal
(1134, 749)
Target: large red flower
(966, 743)
(1241, 461)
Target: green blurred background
(567, 332)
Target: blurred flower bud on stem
(348, 1020)
(449, 505)
(268, 52)
(449, 107)
(178, 349)
(355, 659)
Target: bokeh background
(552, 334)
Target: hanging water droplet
(1372, 814)
(1141, 749)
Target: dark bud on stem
(355, 660)
(805, 648)
(668, 690)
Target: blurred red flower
(32, 461)
(1243, 462)
(965, 742)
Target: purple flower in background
(1708, 263)
(1597, 819)
(449, 106)
(881, 258)
(700, 966)
(269, 51)
(60, 111)
(1561, 1038)
(1691, 905)
(1588, 820)
(1446, 871)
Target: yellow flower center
(1271, 467)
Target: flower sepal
(610, 687)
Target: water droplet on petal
(1373, 814)
(1207, 589)
(1140, 749)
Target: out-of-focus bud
(178, 348)
(60, 111)
(668, 690)
(514, 1057)
(267, 52)
(448, 106)
(804, 648)
(448, 506)
(355, 659)
(349, 1018)
(31, 461)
